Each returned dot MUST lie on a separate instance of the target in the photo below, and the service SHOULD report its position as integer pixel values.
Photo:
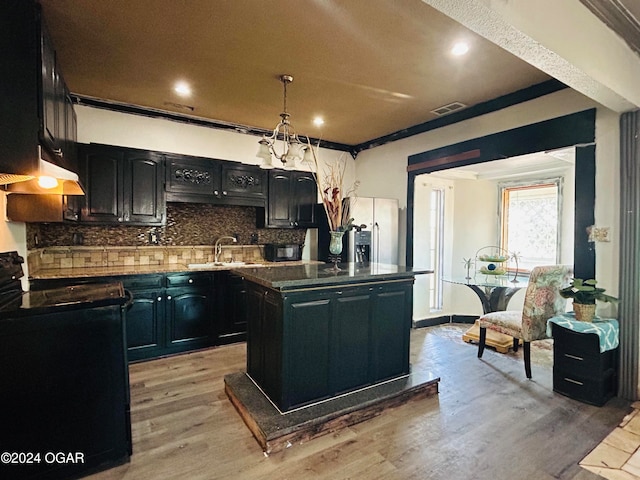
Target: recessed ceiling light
(460, 48)
(182, 88)
(318, 121)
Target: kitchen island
(316, 335)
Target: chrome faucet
(218, 248)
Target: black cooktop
(16, 303)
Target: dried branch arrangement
(332, 191)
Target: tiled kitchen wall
(188, 237)
(91, 257)
(187, 224)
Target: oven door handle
(129, 300)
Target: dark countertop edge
(329, 281)
(87, 272)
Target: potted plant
(584, 294)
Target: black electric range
(64, 378)
(14, 302)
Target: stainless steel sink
(223, 264)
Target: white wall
(137, 131)
(392, 160)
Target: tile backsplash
(188, 224)
(92, 257)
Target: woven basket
(584, 313)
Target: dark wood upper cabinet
(207, 180)
(122, 186)
(279, 212)
(305, 198)
(291, 201)
(37, 119)
(246, 184)
(143, 192)
(191, 177)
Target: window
(530, 222)
(436, 246)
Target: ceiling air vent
(180, 106)
(446, 109)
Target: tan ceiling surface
(369, 67)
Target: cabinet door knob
(216, 193)
(119, 219)
(224, 192)
(159, 299)
(168, 297)
(191, 280)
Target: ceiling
(368, 68)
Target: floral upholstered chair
(541, 302)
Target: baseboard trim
(464, 318)
(442, 319)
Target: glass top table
(494, 291)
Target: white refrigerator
(377, 240)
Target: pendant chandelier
(290, 150)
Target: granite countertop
(313, 275)
(82, 272)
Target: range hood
(47, 179)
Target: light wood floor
(488, 422)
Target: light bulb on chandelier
(283, 143)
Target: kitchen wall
(382, 170)
(187, 224)
(104, 126)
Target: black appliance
(63, 376)
(282, 252)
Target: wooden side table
(583, 368)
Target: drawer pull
(570, 380)
(191, 280)
(575, 357)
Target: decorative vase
(335, 248)
(584, 312)
(335, 245)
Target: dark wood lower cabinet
(65, 388)
(189, 317)
(170, 313)
(144, 332)
(172, 319)
(232, 301)
(308, 345)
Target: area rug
(541, 350)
